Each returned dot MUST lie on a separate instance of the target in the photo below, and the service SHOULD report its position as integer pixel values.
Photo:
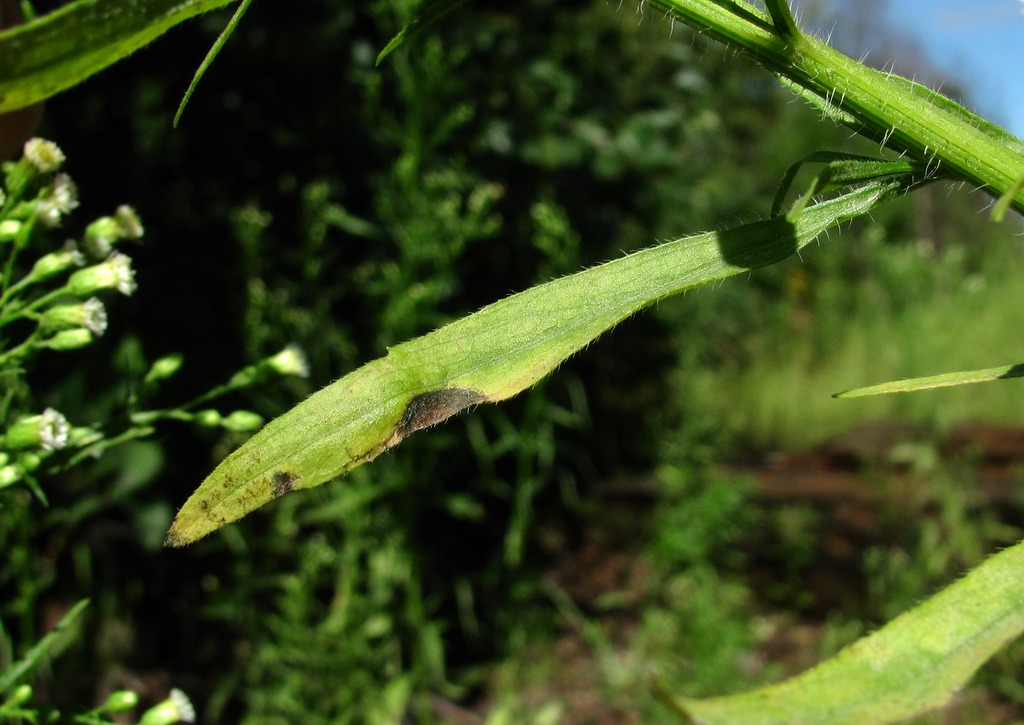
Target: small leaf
(843, 170)
(782, 18)
(914, 664)
(483, 358)
(420, 22)
(208, 60)
(1003, 205)
(944, 380)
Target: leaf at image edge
(914, 664)
(61, 49)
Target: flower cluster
(56, 303)
(59, 292)
(51, 300)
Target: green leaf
(944, 380)
(421, 21)
(782, 18)
(483, 358)
(58, 50)
(208, 60)
(843, 170)
(13, 674)
(1003, 205)
(914, 664)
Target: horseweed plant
(51, 303)
(176, 708)
(914, 664)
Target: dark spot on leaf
(283, 483)
(431, 408)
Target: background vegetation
(535, 561)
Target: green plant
(50, 305)
(512, 344)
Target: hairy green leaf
(842, 170)
(58, 50)
(912, 665)
(485, 357)
(897, 112)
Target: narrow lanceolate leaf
(485, 357)
(58, 50)
(914, 664)
(945, 380)
(426, 17)
(18, 670)
(221, 41)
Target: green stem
(882, 106)
(16, 246)
(29, 309)
(96, 449)
(19, 350)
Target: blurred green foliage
(310, 197)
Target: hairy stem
(883, 106)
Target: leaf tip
(394, 43)
(174, 540)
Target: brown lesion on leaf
(427, 409)
(283, 482)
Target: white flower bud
(48, 431)
(176, 708)
(54, 263)
(44, 155)
(91, 315)
(290, 361)
(114, 273)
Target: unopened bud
(9, 230)
(208, 418)
(69, 340)
(54, 263)
(121, 701)
(20, 695)
(164, 368)
(9, 475)
(243, 421)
